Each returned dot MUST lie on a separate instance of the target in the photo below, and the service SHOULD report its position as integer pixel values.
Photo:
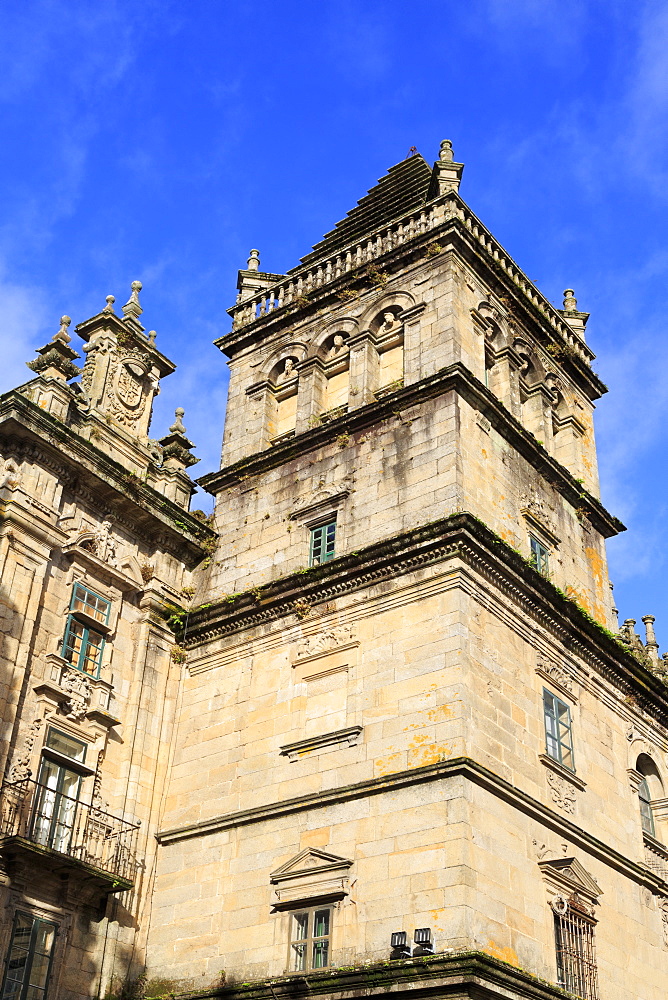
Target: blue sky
(161, 141)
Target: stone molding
(556, 675)
(459, 536)
(311, 875)
(454, 378)
(467, 975)
(463, 767)
(295, 751)
(48, 441)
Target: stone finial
(62, 335)
(446, 154)
(151, 336)
(109, 308)
(177, 427)
(132, 307)
(253, 261)
(651, 644)
(570, 302)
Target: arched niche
(283, 381)
(334, 354)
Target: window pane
(321, 923)
(92, 651)
(320, 953)
(299, 927)
(323, 543)
(85, 600)
(298, 957)
(66, 745)
(73, 641)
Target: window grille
(558, 734)
(574, 940)
(323, 539)
(82, 644)
(646, 817)
(310, 933)
(28, 962)
(539, 556)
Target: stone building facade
(377, 721)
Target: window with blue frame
(83, 643)
(558, 734)
(323, 541)
(539, 556)
(28, 962)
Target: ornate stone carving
(21, 769)
(663, 906)
(535, 508)
(328, 639)
(78, 688)
(10, 476)
(561, 791)
(553, 670)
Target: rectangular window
(576, 957)
(67, 745)
(322, 543)
(558, 735)
(310, 933)
(29, 958)
(82, 644)
(539, 556)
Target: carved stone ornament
(536, 510)
(663, 905)
(570, 885)
(21, 769)
(333, 637)
(311, 874)
(79, 690)
(551, 670)
(561, 791)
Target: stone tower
(412, 752)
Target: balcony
(36, 821)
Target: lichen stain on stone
(597, 566)
(504, 954)
(388, 765)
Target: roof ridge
(403, 188)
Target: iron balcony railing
(46, 817)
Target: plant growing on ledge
(433, 250)
(378, 278)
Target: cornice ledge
(455, 377)
(460, 534)
(461, 974)
(464, 767)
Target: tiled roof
(403, 189)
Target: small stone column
(505, 379)
(364, 366)
(412, 340)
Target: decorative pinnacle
(446, 153)
(151, 336)
(570, 302)
(109, 308)
(132, 307)
(62, 335)
(177, 427)
(254, 261)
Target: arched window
(646, 817)
(650, 788)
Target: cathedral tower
(408, 728)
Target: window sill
(564, 772)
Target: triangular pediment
(403, 189)
(571, 876)
(311, 862)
